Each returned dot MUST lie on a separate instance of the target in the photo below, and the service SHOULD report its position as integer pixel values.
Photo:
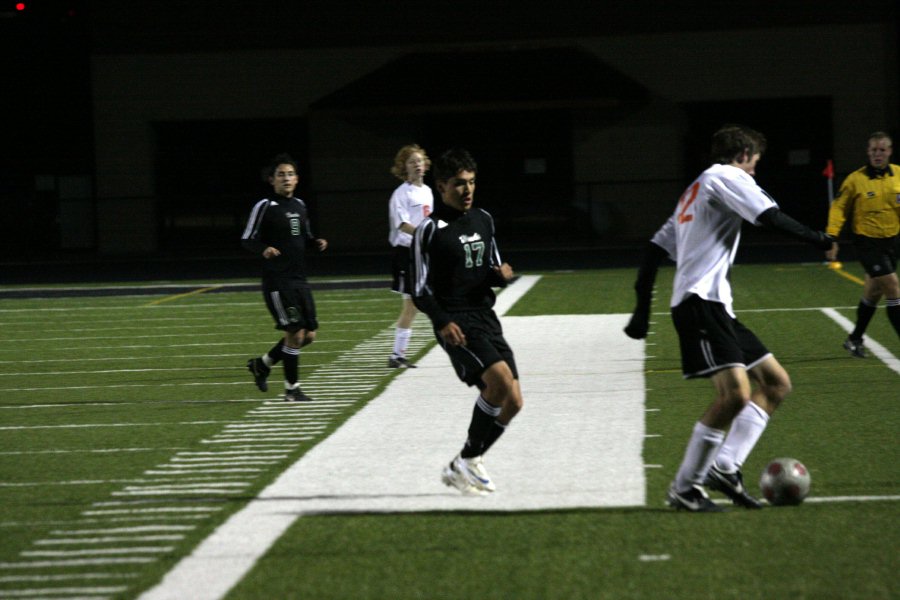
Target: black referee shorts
(291, 305)
(878, 256)
(485, 345)
(711, 340)
(400, 270)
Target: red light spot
(20, 6)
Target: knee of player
(515, 403)
(778, 391)
(308, 339)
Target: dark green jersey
(454, 256)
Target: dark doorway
(525, 172)
(208, 176)
(800, 142)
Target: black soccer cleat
(639, 325)
(732, 485)
(296, 395)
(260, 373)
(400, 362)
(855, 347)
(694, 500)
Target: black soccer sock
(275, 354)
(496, 430)
(291, 358)
(893, 311)
(864, 313)
(483, 416)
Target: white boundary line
(874, 347)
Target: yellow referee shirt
(872, 199)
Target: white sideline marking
(874, 347)
(583, 395)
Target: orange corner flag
(829, 170)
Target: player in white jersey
(410, 204)
(702, 237)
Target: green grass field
(111, 407)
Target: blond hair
(398, 170)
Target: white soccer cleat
(469, 476)
(453, 478)
(473, 472)
(473, 469)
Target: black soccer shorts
(711, 340)
(400, 270)
(878, 256)
(291, 306)
(485, 345)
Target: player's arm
(837, 217)
(501, 273)
(661, 245)
(399, 214)
(420, 263)
(639, 324)
(774, 218)
(250, 237)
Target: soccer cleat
(296, 395)
(732, 485)
(399, 362)
(855, 347)
(260, 373)
(455, 475)
(694, 500)
(473, 469)
(639, 325)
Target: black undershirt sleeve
(773, 218)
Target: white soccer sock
(401, 341)
(698, 456)
(745, 431)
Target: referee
(870, 197)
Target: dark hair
(279, 159)
(452, 162)
(731, 141)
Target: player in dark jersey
(455, 264)
(278, 229)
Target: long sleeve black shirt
(454, 255)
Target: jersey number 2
(684, 203)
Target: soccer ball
(785, 481)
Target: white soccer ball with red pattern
(785, 481)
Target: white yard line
(874, 347)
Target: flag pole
(828, 172)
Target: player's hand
(832, 253)
(452, 334)
(638, 326)
(322, 244)
(505, 271)
(271, 252)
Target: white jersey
(702, 234)
(409, 204)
